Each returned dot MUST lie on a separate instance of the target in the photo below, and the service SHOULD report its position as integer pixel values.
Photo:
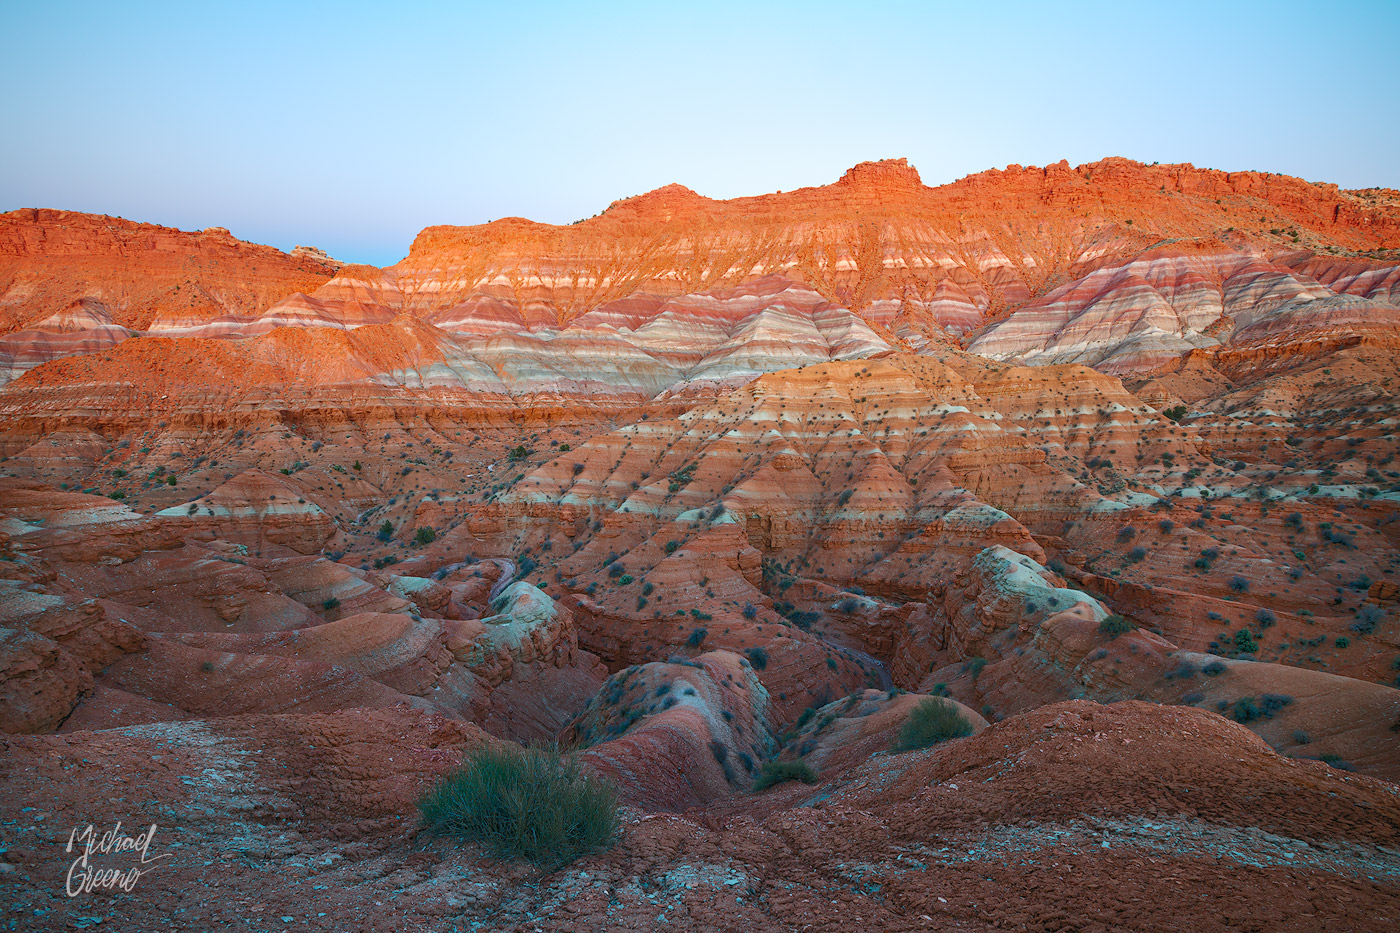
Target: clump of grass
(1114, 625)
(531, 803)
(776, 772)
(934, 720)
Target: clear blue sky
(352, 126)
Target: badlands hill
(1104, 454)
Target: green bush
(776, 772)
(932, 721)
(1115, 625)
(424, 535)
(1246, 710)
(527, 803)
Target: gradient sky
(352, 126)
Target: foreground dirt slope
(1076, 816)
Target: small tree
(386, 530)
(424, 535)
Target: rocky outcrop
(678, 734)
(259, 511)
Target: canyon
(1103, 455)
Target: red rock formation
(52, 260)
(699, 483)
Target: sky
(351, 126)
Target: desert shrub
(1183, 671)
(1214, 668)
(1343, 642)
(1126, 533)
(1301, 737)
(1265, 618)
(1055, 565)
(1137, 554)
(1175, 413)
(848, 606)
(330, 604)
(424, 535)
(1246, 710)
(757, 657)
(776, 772)
(1338, 537)
(1239, 584)
(1245, 643)
(671, 546)
(386, 530)
(531, 803)
(696, 637)
(934, 720)
(1166, 525)
(1367, 618)
(1114, 625)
